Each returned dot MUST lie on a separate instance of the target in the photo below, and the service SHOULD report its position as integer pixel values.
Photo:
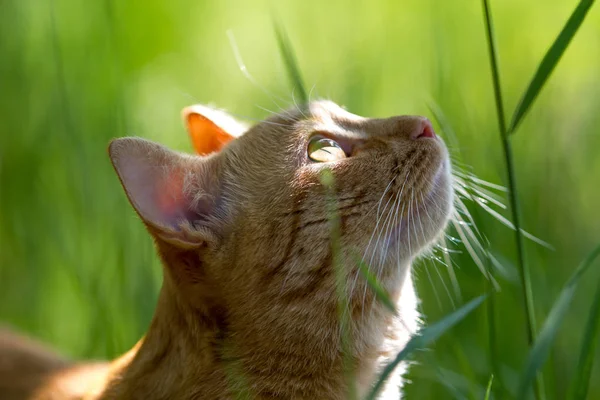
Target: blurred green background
(77, 268)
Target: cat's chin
(428, 214)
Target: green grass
(77, 268)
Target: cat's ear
(210, 129)
(173, 193)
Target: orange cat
(250, 306)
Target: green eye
(321, 149)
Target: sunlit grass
(77, 268)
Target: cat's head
(271, 213)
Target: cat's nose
(424, 129)
(410, 127)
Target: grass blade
(488, 391)
(380, 293)
(539, 353)
(291, 64)
(549, 62)
(343, 306)
(524, 273)
(581, 381)
(423, 339)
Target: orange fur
(249, 305)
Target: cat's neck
(176, 359)
(193, 353)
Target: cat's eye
(322, 149)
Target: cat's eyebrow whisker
(291, 119)
(311, 91)
(296, 104)
(284, 114)
(242, 66)
(264, 108)
(190, 96)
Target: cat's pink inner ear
(209, 129)
(154, 179)
(171, 201)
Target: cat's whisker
(356, 277)
(311, 91)
(242, 66)
(435, 292)
(465, 211)
(291, 119)
(450, 268)
(446, 289)
(408, 226)
(449, 264)
(459, 182)
(427, 260)
(474, 247)
(376, 229)
(386, 223)
(378, 216)
(383, 256)
(442, 247)
(471, 177)
(461, 189)
(389, 222)
(392, 224)
(506, 222)
(436, 259)
(300, 110)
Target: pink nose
(425, 130)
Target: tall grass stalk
(291, 64)
(490, 313)
(541, 349)
(524, 272)
(488, 391)
(549, 61)
(422, 340)
(341, 277)
(581, 378)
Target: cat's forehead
(321, 115)
(326, 111)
